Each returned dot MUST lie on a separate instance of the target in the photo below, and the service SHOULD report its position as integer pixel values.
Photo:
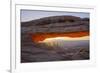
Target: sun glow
(65, 39)
(61, 36)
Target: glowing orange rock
(41, 36)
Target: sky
(28, 15)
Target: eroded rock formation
(56, 24)
(32, 52)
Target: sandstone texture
(56, 24)
(34, 52)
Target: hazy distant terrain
(68, 44)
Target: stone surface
(33, 52)
(55, 24)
